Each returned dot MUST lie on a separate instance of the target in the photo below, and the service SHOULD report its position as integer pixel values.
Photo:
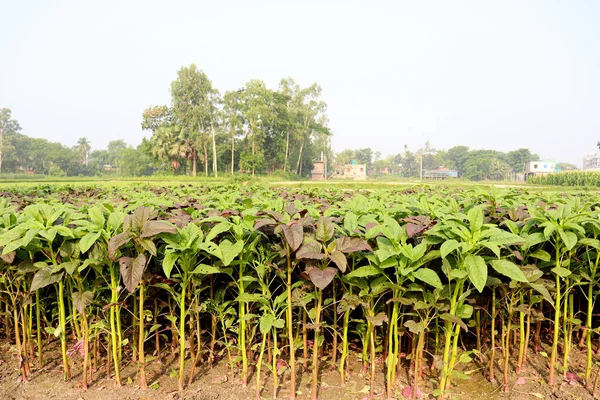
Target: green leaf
(428, 276)
(88, 241)
(249, 298)
(350, 222)
(561, 271)
(230, 250)
(363, 272)
(325, 229)
(589, 242)
(464, 311)
(541, 255)
(475, 218)
(414, 326)
(509, 269)
(448, 247)
(217, 230)
(534, 238)
(568, 238)
(541, 289)
(169, 262)
(477, 271)
(97, 216)
(43, 278)
(266, 323)
(205, 269)
(455, 320)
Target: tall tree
(7, 126)
(255, 100)
(309, 109)
(232, 119)
(194, 108)
(83, 148)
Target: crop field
(293, 290)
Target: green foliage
(571, 178)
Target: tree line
(253, 129)
(471, 164)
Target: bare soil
(218, 383)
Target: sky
(486, 74)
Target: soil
(218, 383)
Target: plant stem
(274, 366)
(141, 337)
(38, 328)
(182, 332)
(63, 327)
(556, 321)
(493, 336)
(114, 334)
(344, 354)
(289, 322)
(315, 363)
(259, 364)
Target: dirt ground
(219, 384)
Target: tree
(8, 126)
(344, 157)
(566, 166)
(310, 107)
(133, 162)
(518, 158)
(255, 101)
(232, 119)
(364, 156)
(83, 148)
(409, 165)
(194, 108)
(114, 151)
(457, 157)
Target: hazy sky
(486, 74)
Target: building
(537, 168)
(440, 173)
(351, 171)
(318, 172)
(591, 162)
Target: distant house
(542, 167)
(318, 172)
(440, 173)
(591, 162)
(351, 171)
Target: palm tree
(83, 147)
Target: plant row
(278, 281)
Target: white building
(591, 162)
(534, 168)
(351, 171)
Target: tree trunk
(205, 159)
(1, 147)
(214, 149)
(287, 150)
(253, 155)
(194, 159)
(299, 163)
(232, 151)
